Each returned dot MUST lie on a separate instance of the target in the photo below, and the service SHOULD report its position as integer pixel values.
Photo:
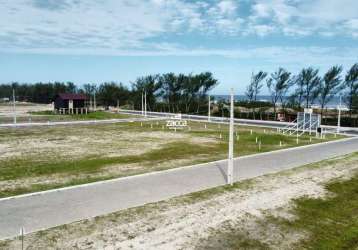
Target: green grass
(98, 115)
(332, 223)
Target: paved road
(72, 204)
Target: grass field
(34, 159)
(45, 116)
(310, 207)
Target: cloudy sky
(117, 40)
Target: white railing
(288, 128)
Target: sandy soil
(80, 142)
(179, 224)
(22, 109)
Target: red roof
(71, 96)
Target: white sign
(176, 122)
(307, 110)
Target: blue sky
(118, 40)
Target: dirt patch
(23, 109)
(80, 143)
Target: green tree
(278, 85)
(255, 86)
(351, 84)
(330, 85)
(310, 81)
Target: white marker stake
(205, 126)
(230, 168)
(280, 143)
(256, 139)
(251, 131)
(221, 136)
(259, 145)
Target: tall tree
(255, 86)
(278, 85)
(149, 84)
(351, 83)
(330, 85)
(111, 94)
(310, 84)
(297, 97)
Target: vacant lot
(311, 207)
(31, 112)
(33, 159)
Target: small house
(70, 103)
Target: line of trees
(307, 87)
(165, 92)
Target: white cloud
(129, 25)
(306, 17)
(227, 7)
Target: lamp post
(94, 101)
(230, 169)
(142, 106)
(339, 115)
(209, 109)
(145, 103)
(14, 104)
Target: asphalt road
(49, 209)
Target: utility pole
(209, 110)
(94, 101)
(145, 104)
(230, 169)
(339, 115)
(14, 104)
(142, 104)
